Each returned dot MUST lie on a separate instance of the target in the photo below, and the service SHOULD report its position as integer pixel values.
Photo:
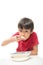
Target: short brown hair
(26, 23)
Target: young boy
(26, 38)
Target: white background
(11, 11)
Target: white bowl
(20, 56)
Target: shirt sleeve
(35, 39)
(17, 33)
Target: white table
(34, 60)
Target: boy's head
(25, 27)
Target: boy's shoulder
(34, 34)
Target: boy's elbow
(4, 43)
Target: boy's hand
(19, 38)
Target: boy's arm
(11, 39)
(35, 50)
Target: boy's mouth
(23, 38)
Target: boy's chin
(24, 39)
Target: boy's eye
(26, 31)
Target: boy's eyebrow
(24, 30)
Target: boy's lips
(23, 38)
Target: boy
(26, 38)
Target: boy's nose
(23, 34)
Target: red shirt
(28, 44)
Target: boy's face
(25, 33)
